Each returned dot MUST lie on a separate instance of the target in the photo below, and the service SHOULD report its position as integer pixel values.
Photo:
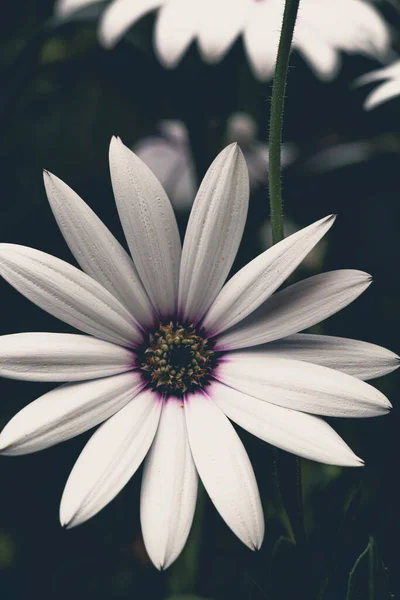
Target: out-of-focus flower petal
(261, 37)
(382, 93)
(175, 29)
(64, 7)
(120, 16)
(216, 35)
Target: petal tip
(114, 142)
(68, 523)
(68, 519)
(50, 181)
(389, 406)
(257, 545)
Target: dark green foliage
(369, 577)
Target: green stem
(276, 118)
(289, 475)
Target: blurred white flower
(169, 156)
(388, 89)
(64, 7)
(243, 129)
(172, 352)
(324, 28)
(340, 155)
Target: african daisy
(169, 351)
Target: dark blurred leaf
(344, 529)
(368, 578)
(288, 469)
(285, 559)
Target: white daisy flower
(389, 87)
(324, 29)
(171, 351)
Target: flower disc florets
(177, 359)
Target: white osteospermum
(323, 29)
(173, 351)
(389, 87)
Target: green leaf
(368, 579)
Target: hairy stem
(276, 118)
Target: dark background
(61, 99)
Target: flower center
(177, 359)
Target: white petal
(253, 284)
(359, 359)
(149, 225)
(67, 294)
(120, 16)
(350, 25)
(110, 458)
(297, 432)
(391, 71)
(297, 307)
(60, 357)
(67, 411)
(96, 250)
(64, 7)
(217, 34)
(323, 58)
(365, 31)
(169, 488)
(213, 233)
(225, 469)
(382, 93)
(300, 385)
(175, 29)
(261, 37)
